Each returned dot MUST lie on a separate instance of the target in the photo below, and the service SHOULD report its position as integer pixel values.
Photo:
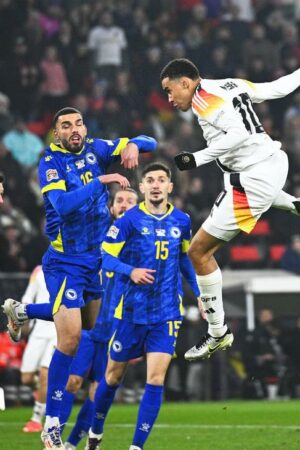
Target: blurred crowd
(104, 58)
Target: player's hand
(201, 309)
(130, 156)
(142, 276)
(185, 161)
(115, 178)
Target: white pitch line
(190, 426)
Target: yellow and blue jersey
(112, 292)
(77, 222)
(143, 240)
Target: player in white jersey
(39, 349)
(255, 170)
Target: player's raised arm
(281, 87)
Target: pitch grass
(228, 425)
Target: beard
(156, 202)
(74, 148)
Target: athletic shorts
(246, 196)
(90, 360)
(132, 340)
(72, 281)
(38, 353)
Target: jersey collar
(56, 148)
(143, 208)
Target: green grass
(230, 425)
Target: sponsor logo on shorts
(91, 158)
(113, 232)
(117, 346)
(175, 232)
(71, 294)
(51, 174)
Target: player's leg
(104, 398)
(159, 345)
(79, 370)
(85, 415)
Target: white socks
(94, 435)
(211, 295)
(38, 412)
(51, 422)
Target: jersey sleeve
(222, 115)
(112, 246)
(50, 174)
(108, 151)
(281, 87)
(186, 267)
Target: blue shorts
(134, 340)
(90, 360)
(72, 281)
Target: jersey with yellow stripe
(143, 240)
(234, 135)
(81, 230)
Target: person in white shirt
(107, 42)
(255, 171)
(39, 349)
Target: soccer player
(74, 182)
(91, 356)
(148, 247)
(39, 350)
(255, 170)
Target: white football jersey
(36, 292)
(233, 132)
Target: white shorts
(38, 353)
(246, 196)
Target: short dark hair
(63, 112)
(157, 166)
(180, 67)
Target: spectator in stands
(1, 187)
(6, 119)
(291, 258)
(24, 146)
(107, 42)
(291, 345)
(263, 356)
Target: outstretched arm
(275, 89)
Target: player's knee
(74, 384)
(156, 379)
(196, 252)
(69, 344)
(113, 377)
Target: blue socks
(57, 379)
(148, 412)
(66, 408)
(104, 397)
(83, 423)
(39, 311)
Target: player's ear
(141, 187)
(185, 82)
(170, 188)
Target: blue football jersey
(84, 229)
(112, 292)
(143, 240)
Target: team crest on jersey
(80, 163)
(117, 346)
(145, 230)
(175, 232)
(91, 158)
(113, 232)
(71, 294)
(160, 233)
(51, 174)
